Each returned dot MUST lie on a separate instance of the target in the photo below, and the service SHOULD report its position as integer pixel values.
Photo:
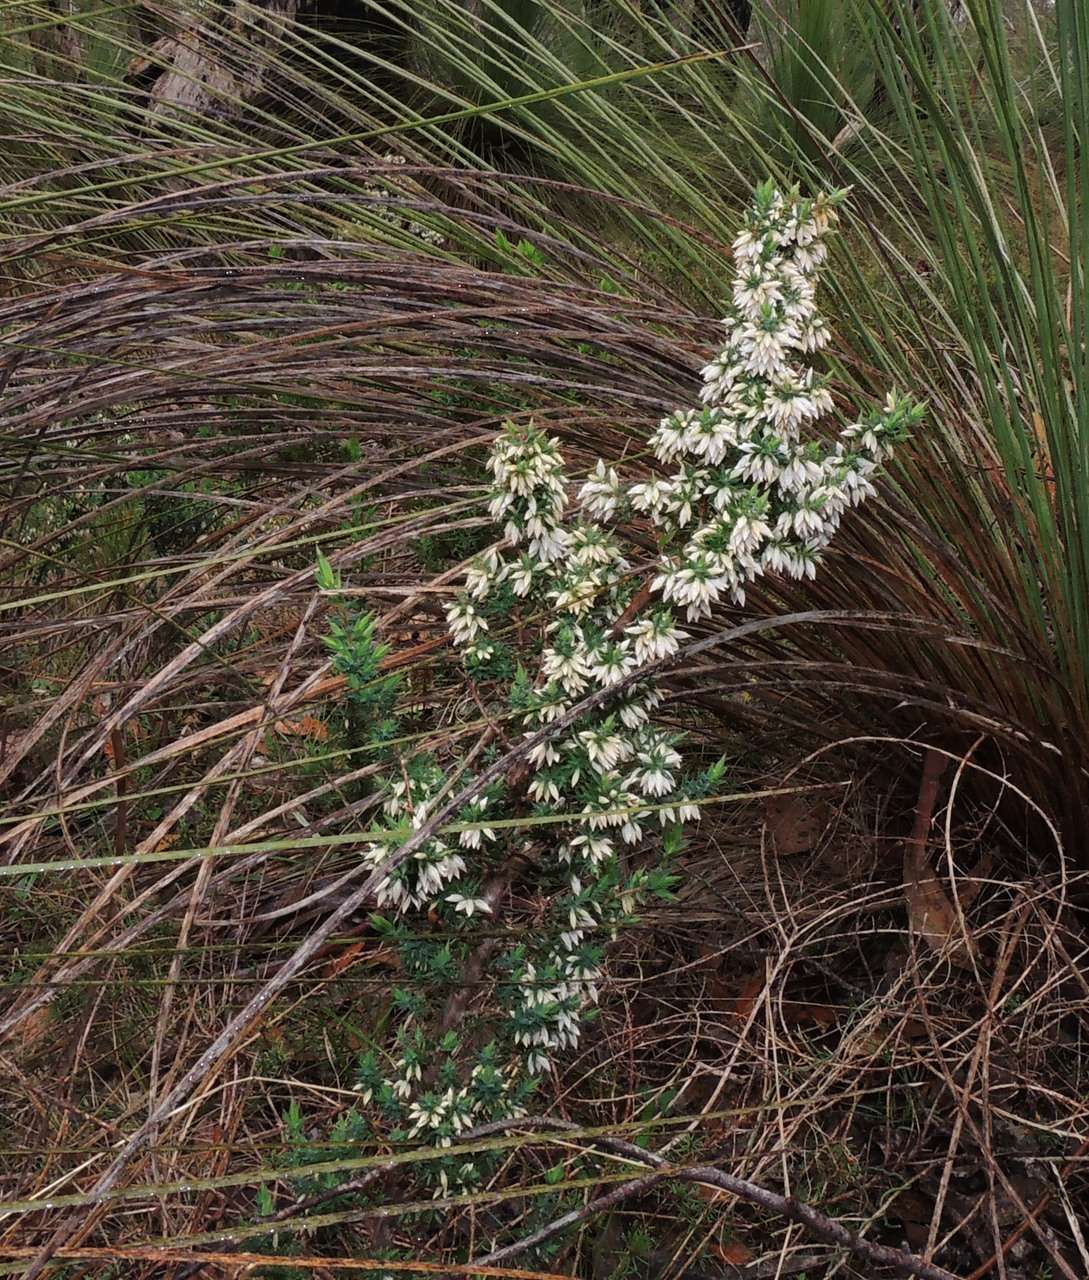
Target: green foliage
(358, 656)
(439, 551)
(822, 78)
(327, 577)
(524, 252)
(509, 49)
(351, 1135)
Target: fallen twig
(817, 1223)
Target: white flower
(808, 520)
(671, 438)
(748, 245)
(480, 651)
(813, 335)
(632, 712)
(544, 753)
(424, 1117)
(391, 892)
(756, 289)
(657, 762)
(697, 584)
(656, 636)
(435, 866)
(799, 296)
(856, 482)
(551, 704)
(498, 507)
(468, 906)
(482, 574)
(685, 811)
(520, 576)
(571, 670)
(791, 403)
(685, 494)
(596, 848)
(760, 462)
(581, 918)
(711, 435)
(631, 832)
(475, 837)
(748, 533)
(605, 748)
(795, 559)
(654, 781)
(776, 556)
(579, 590)
(808, 258)
(409, 1070)
(600, 495)
(650, 497)
(612, 662)
(544, 788)
(799, 473)
(591, 545)
(537, 1062)
(866, 436)
(464, 621)
(721, 376)
(766, 346)
(549, 544)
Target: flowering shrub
(553, 617)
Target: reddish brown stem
(121, 825)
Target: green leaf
(327, 576)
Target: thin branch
(818, 1224)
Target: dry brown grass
(791, 1027)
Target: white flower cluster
(420, 879)
(529, 495)
(750, 495)
(613, 773)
